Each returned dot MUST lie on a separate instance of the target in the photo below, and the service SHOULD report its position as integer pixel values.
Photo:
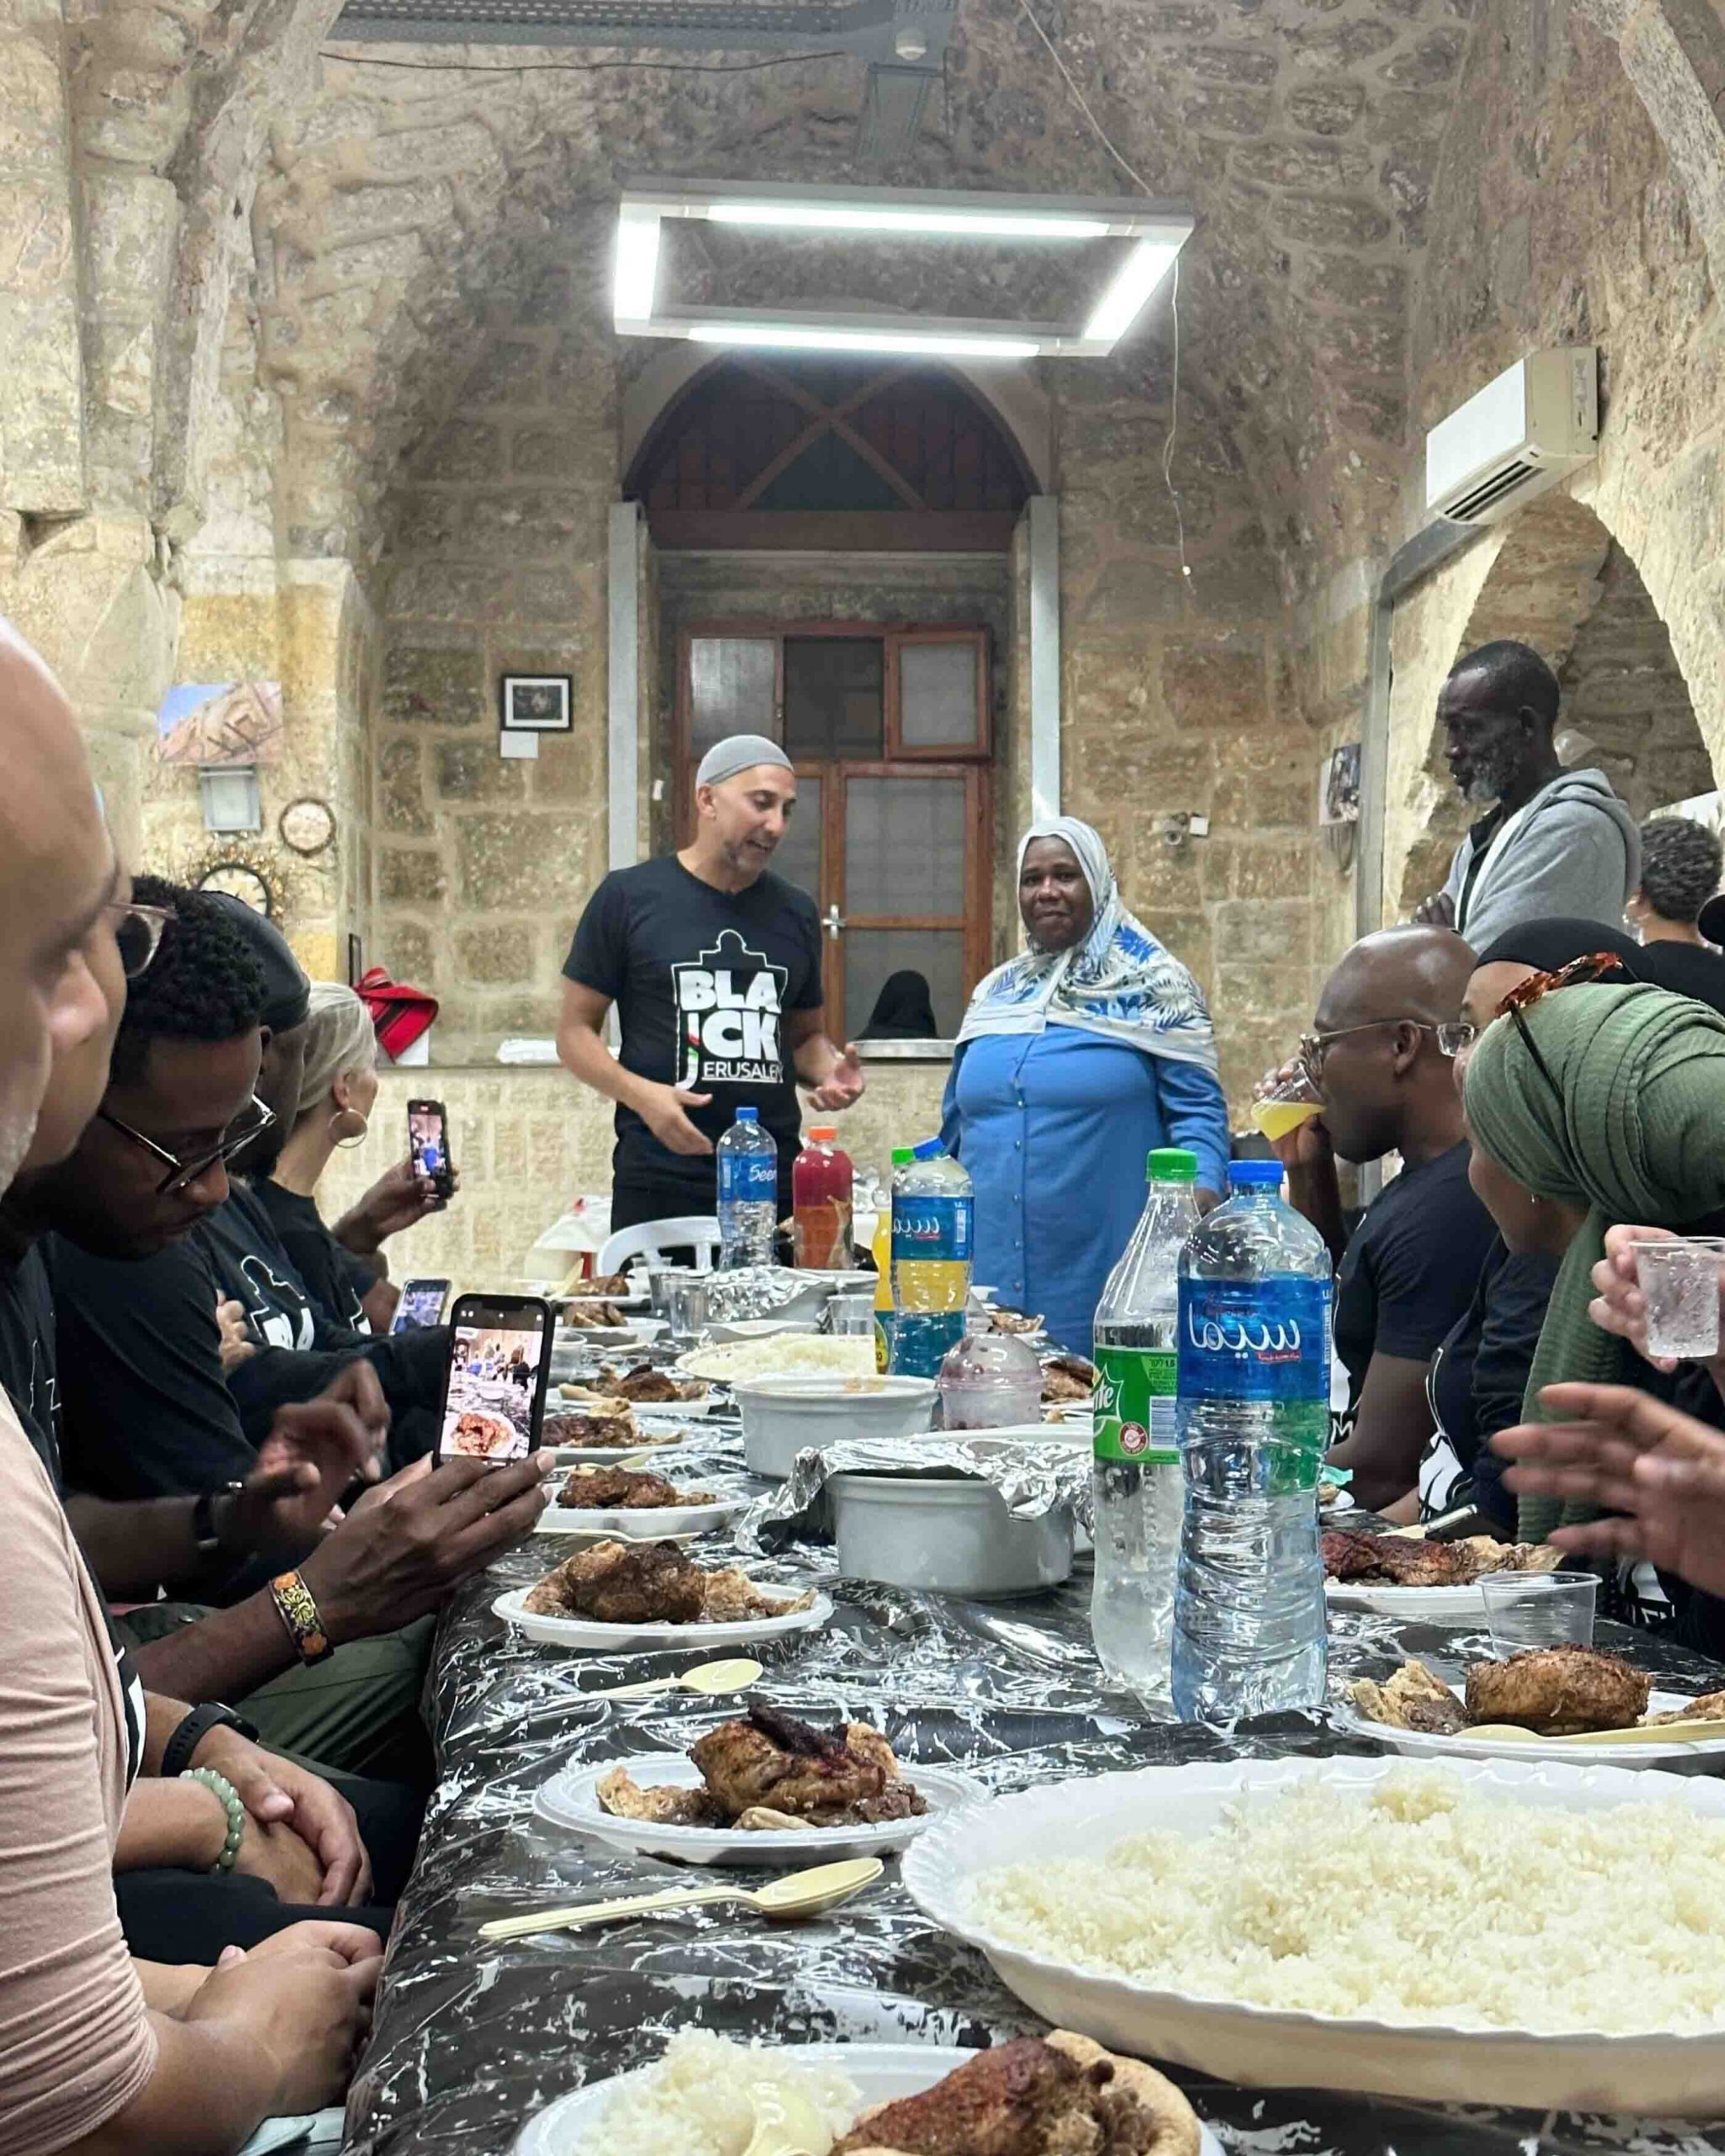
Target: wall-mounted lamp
(229, 794)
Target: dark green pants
(359, 1712)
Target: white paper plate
(571, 1339)
(1427, 1744)
(644, 1639)
(1415, 1605)
(882, 2073)
(684, 1410)
(609, 1455)
(1584, 2071)
(571, 1799)
(642, 1523)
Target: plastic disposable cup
(1276, 1119)
(849, 1315)
(1680, 1278)
(1538, 1609)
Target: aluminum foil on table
(470, 2040)
(749, 1291)
(1033, 1479)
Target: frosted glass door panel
(798, 857)
(938, 695)
(904, 845)
(732, 689)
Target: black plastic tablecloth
(470, 2040)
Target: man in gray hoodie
(1558, 843)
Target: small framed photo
(537, 703)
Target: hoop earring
(343, 1135)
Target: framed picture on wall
(537, 703)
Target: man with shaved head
(713, 966)
(1379, 1056)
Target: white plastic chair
(657, 1238)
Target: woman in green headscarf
(1591, 1107)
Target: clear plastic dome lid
(984, 1360)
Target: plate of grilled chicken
(634, 1597)
(764, 1789)
(630, 1503)
(1408, 1575)
(1553, 1693)
(1028, 2095)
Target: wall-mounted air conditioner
(1521, 434)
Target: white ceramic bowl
(783, 1415)
(945, 1535)
(1585, 2071)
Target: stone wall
(496, 565)
(528, 1142)
(1173, 700)
(1585, 229)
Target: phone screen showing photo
(421, 1304)
(493, 1390)
(426, 1141)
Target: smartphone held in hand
(494, 1383)
(428, 1144)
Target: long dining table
(471, 2039)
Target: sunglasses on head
(1525, 994)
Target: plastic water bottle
(1136, 1481)
(747, 1192)
(931, 1246)
(1254, 1382)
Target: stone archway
(1556, 578)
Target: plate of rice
(781, 1355)
(1483, 1932)
(698, 2099)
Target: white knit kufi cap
(740, 752)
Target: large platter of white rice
(1488, 1931)
(696, 2099)
(781, 1355)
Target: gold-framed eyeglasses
(1451, 1039)
(181, 1174)
(137, 933)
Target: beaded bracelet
(220, 1785)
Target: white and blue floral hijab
(1119, 982)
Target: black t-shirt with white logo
(704, 982)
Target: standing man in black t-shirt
(1380, 1055)
(714, 963)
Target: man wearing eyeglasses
(1388, 1022)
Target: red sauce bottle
(820, 1200)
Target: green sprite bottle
(1137, 1480)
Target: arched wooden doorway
(811, 476)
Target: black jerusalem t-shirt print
(704, 982)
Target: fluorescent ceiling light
(1135, 280)
(1157, 231)
(802, 337)
(637, 270)
(818, 217)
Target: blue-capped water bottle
(932, 1245)
(747, 1192)
(1253, 1415)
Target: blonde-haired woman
(343, 1268)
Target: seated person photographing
(1378, 1058)
(103, 2053)
(399, 1551)
(343, 1268)
(144, 1256)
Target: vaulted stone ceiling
(398, 197)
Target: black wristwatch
(204, 1532)
(177, 1752)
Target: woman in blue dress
(1074, 1061)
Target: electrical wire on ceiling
(587, 66)
(1138, 179)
